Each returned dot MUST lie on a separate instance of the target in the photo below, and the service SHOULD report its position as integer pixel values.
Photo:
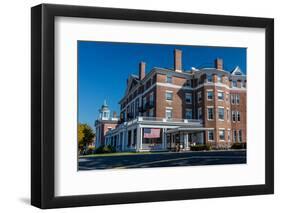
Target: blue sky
(103, 68)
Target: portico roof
(186, 129)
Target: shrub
(200, 147)
(239, 146)
(105, 149)
(90, 150)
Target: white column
(164, 138)
(132, 137)
(140, 138)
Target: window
(199, 96)
(169, 79)
(210, 113)
(188, 83)
(169, 96)
(210, 135)
(169, 113)
(238, 116)
(232, 99)
(234, 136)
(209, 78)
(234, 83)
(219, 78)
(240, 136)
(188, 114)
(151, 112)
(222, 135)
(220, 96)
(144, 101)
(210, 94)
(233, 116)
(237, 99)
(199, 111)
(188, 98)
(151, 99)
(221, 113)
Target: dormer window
(234, 83)
(209, 78)
(219, 78)
(168, 79)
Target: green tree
(85, 135)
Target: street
(165, 159)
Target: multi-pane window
(222, 134)
(221, 113)
(210, 112)
(238, 116)
(233, 116)
(169, 79)
(220, 95)
(188, 114)
(188, 98)
(209, 78)
(199, 112)
(210, 94)
(234, 83)
(199, 96)
(169, 113)
(234, 136)
(237, 99)
(232, 99)
(210, 135)
(240, 136)
(169, 96)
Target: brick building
(169, 107)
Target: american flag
(151, 133)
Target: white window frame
(211, 131)
(219, 113)
(233, 113)
(237, 99)
(239, 136)
(234, 136)
(233, 84)
(210, 107)
(220, 91)
(219, 78)
(221, 129)
(169, 92)
(238, 115)
(169, 109)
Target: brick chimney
(114, 114)
(219, 64)
(141, 70)
(178, 60)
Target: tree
(85, 135)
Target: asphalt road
(167, 159)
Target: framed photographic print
(136, 106)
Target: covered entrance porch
(180, 139)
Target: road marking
(169, 160)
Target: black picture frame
(43, 105)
